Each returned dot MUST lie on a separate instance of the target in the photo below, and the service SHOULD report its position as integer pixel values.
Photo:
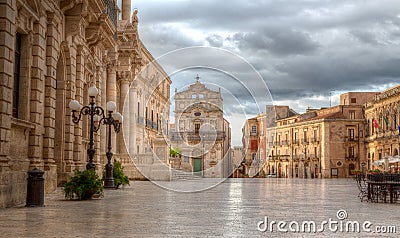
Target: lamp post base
(109, 180)
(109, 183)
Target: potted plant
(356, 171)
(119, 177)
(374, 171)
(83, 185)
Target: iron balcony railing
(193, 136)
(111, 11)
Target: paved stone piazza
(230, 209)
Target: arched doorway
(306, 170)
(279, 170)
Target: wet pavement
(234, 208)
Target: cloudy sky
(302, 49)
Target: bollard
(35, 188)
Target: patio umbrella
(379, 162)
(395, 159)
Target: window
(352, 114)
(254, 130)
(315, 135)
(351, 134)
(201, 95)
(193, 95)
(351, 152)
(138, 112)
(196, 128)
(353, 100)
(305, 136)
(254, 156)
(17, 66)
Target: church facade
(201, 132)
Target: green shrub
(84, 184)
(119, 177)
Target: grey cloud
(365, 36)
(302, 48)
(281, 43)
(215, 40)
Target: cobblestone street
(230, 209)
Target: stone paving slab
(230, 209)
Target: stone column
(132, 120)
(37, 94)
(124, 108)
(50, 91)
(78, 132)
(112, 91)
(6, 85)
(69, 134)
(126, 9)
(103, 92)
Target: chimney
(126, 9)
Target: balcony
(314, 156)
(296, 157)
(193, 136)
(315, 140)
(284, 157)
(111, 11)
(351, 139)
(304, 141)
(351, 157)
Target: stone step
(183, 175)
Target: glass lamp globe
(111, 106)
(74, 105)
(93, 91)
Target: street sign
(363, 164)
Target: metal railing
(111, 11)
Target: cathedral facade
(201, 132)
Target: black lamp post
(97, 116)
(113, 120)
(90, 110)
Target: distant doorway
(197, 166)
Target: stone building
(201, 132)
(254, 145)
(382, 130)
(51, 53)
(321, 143)
(255, 131)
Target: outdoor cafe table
(387, 186)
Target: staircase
(181, 175)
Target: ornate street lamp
(113, 120)
(90, 110)
(97, 116)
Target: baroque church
(201, 132)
